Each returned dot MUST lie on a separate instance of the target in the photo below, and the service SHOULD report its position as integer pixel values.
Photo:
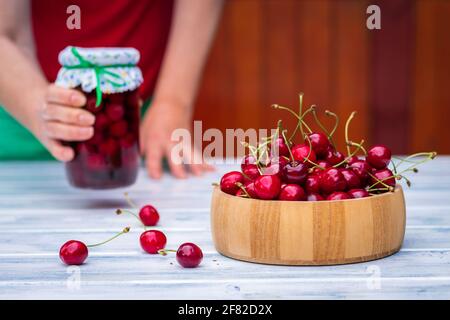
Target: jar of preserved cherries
(109, 78)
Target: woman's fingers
(153, 160)
(59, 151)
(68, 115)
(67, 132)
(63, 96)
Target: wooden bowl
(308, 233)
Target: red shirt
(142, 24)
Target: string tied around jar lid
(99, 70)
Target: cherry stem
(254, 154)
(164, 252)
(300, 111)
(347, 124)
(120, 211)
(241, 186)
(130, 202)
(380, 181)
(125, 230)
(315, 165)
(336, 123)
(283, 133)
(359, 146)
(316, 118)
(301, 122)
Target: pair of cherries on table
(188, 255)
(312, 171)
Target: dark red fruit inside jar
(152, 241)
(357, 193)
(338, 196)
(385, 176)
(302, 152)
(267, 187)
(230, 182)
(314, 197)
(295, 172)
(149, 215)
(73, 252)
(332, 180)
(351, 178)
(291, 192)
(189, 255)
(319, 142)
(379, 156)
(110, 159)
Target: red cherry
(229, 181)
(352, 159)
(247, 160)
(300, 153)
(267, 187)
(385, 175)
(334, 157)
(314, 197)
(379, 156)
(85, 148)
(90, 104)
(362, 169)
(283, 149)
(189, 255)
(295, 172)
(250, 188)
(149, 215)
(115, 111)
(116, 98)
(273, 168)
(251, 171)
(118, 129)
(351, 178)
(323, 164)
(332, 180)
(101, 122)
(73, 252)
(319, 143)
(358, 193)
(312, 184)
(128, 140)
(133, 99)
(109, 147)
(96, 161)
(96, 139)
(291, 192)
(338, 196)
(152, 241)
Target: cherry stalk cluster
(306, 165)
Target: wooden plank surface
(39, 211)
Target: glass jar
(110, 159)
(110, 79)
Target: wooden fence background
(396, 78)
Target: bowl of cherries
(298, 200)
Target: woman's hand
(59, 117)
(156, 130)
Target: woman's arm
(50, 113)
(193, 28)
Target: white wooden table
(39, 212)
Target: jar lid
(107, 70)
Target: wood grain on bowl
(308, 233)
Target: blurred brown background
(396, 78)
